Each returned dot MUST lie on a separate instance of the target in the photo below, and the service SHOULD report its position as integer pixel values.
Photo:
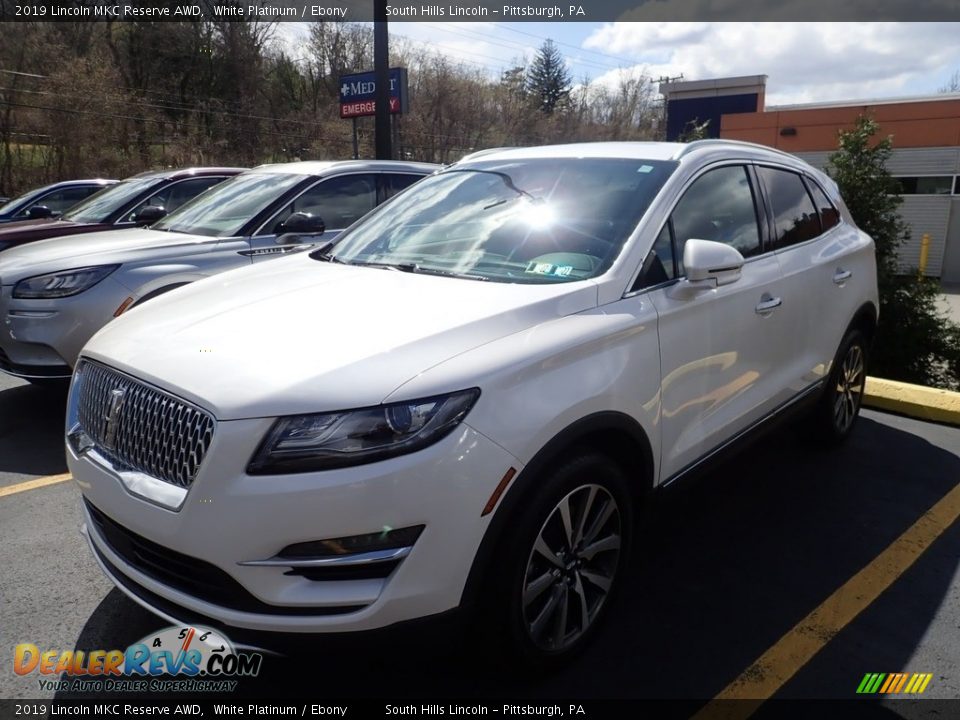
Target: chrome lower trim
(377, 556)
(137, 483)
(802, 395)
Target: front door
(720, 348)
(340, 200)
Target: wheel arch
(158, 291)
(865, 320)
(610, 433)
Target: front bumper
(230, 518)
(42, 338)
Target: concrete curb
(914, 401)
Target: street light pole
(381, 66)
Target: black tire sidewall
(514, 554)
(826, 418)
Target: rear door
(813, 248)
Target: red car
(139, 200)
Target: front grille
(189, 575)
(139, 427)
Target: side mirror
(711, 264)
(39, 212)
(149, 214)
(303, 224)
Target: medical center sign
(358, 93)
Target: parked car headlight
(304, 443)
(63, 283)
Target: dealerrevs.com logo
(200, 659)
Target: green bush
(915, 342)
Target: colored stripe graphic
(890, 678)
(903, 680)
(893, 683)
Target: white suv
(464, 400)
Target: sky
(804, 62)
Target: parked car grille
(139, 427)
(189, 575)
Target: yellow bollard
(924, 252)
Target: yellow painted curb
(913, 401)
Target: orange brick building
(926, 157)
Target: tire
(836, 415)
(558, 578)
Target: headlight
(304, 443)
(63, 283)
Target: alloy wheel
(571, 567)
(849, 388)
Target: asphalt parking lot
(733, 562)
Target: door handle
(841, 276)
(768, 305)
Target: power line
(140, 103)
(619, 59)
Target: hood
(296, 335)
(12, 227)
(99, 248)
(27, 231)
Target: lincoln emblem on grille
(112, 417)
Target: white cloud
(805, 62)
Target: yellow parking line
(34, 484)
(795, 649)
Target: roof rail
(486, 151)
(697, 144)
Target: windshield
(101, 205)
(223, 210)
(26, 197)
(524, 221)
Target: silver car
(55, 294)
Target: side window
(176, 194)
(659, 265)
(719, 206)
(185, 191)
(395, 182)
(61, 200)
(339, 201)
(795, 218)
(829, 215)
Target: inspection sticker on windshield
(645, 169)
(549, 269)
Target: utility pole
(381, 66)
(666, 80)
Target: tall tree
(953, 84)
(915, 342)
(548, 78)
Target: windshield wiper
(415, 268)
(322, 253)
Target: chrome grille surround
(139, 427)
